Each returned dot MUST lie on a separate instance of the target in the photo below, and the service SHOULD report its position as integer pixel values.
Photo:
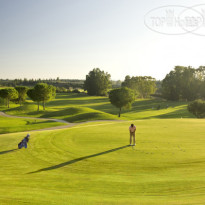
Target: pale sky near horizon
(68, 38)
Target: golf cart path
(55, 120)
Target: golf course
(91, 162)
(102, 102)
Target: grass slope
(9, 125)
(79, 114)
(92, 164)
(70, 114)
(79, 108)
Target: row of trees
(184, 83)
(181, 83)
(17, 94)
(9, 94)
(61, 84)
(99, 83)
(41, 92)
(120, 97)
(67, 83)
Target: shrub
(197, 108)
(61, 90)
(76, 91)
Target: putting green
(92, 164)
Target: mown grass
(9, 125)
(92, 164)
(79, 108)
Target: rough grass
(92, 164)
(79, 108)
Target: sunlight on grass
(92, 164)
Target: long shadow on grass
(7, 151)
(77, 160)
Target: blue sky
(68, 38)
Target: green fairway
(102, 102)
(80, 108)
(92, 164)
(9, 125)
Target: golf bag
(24, 142)
(21, 144)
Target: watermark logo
(176, 20)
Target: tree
(97, 82)
(22, 91)
(171, 87)
(42, 92)
(122, 97)
(197, 108)
(184, 83)
(34, 96)
(9, 94)
(200, 76)
(143, 86)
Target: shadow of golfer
(78, 159)
(7, 151)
